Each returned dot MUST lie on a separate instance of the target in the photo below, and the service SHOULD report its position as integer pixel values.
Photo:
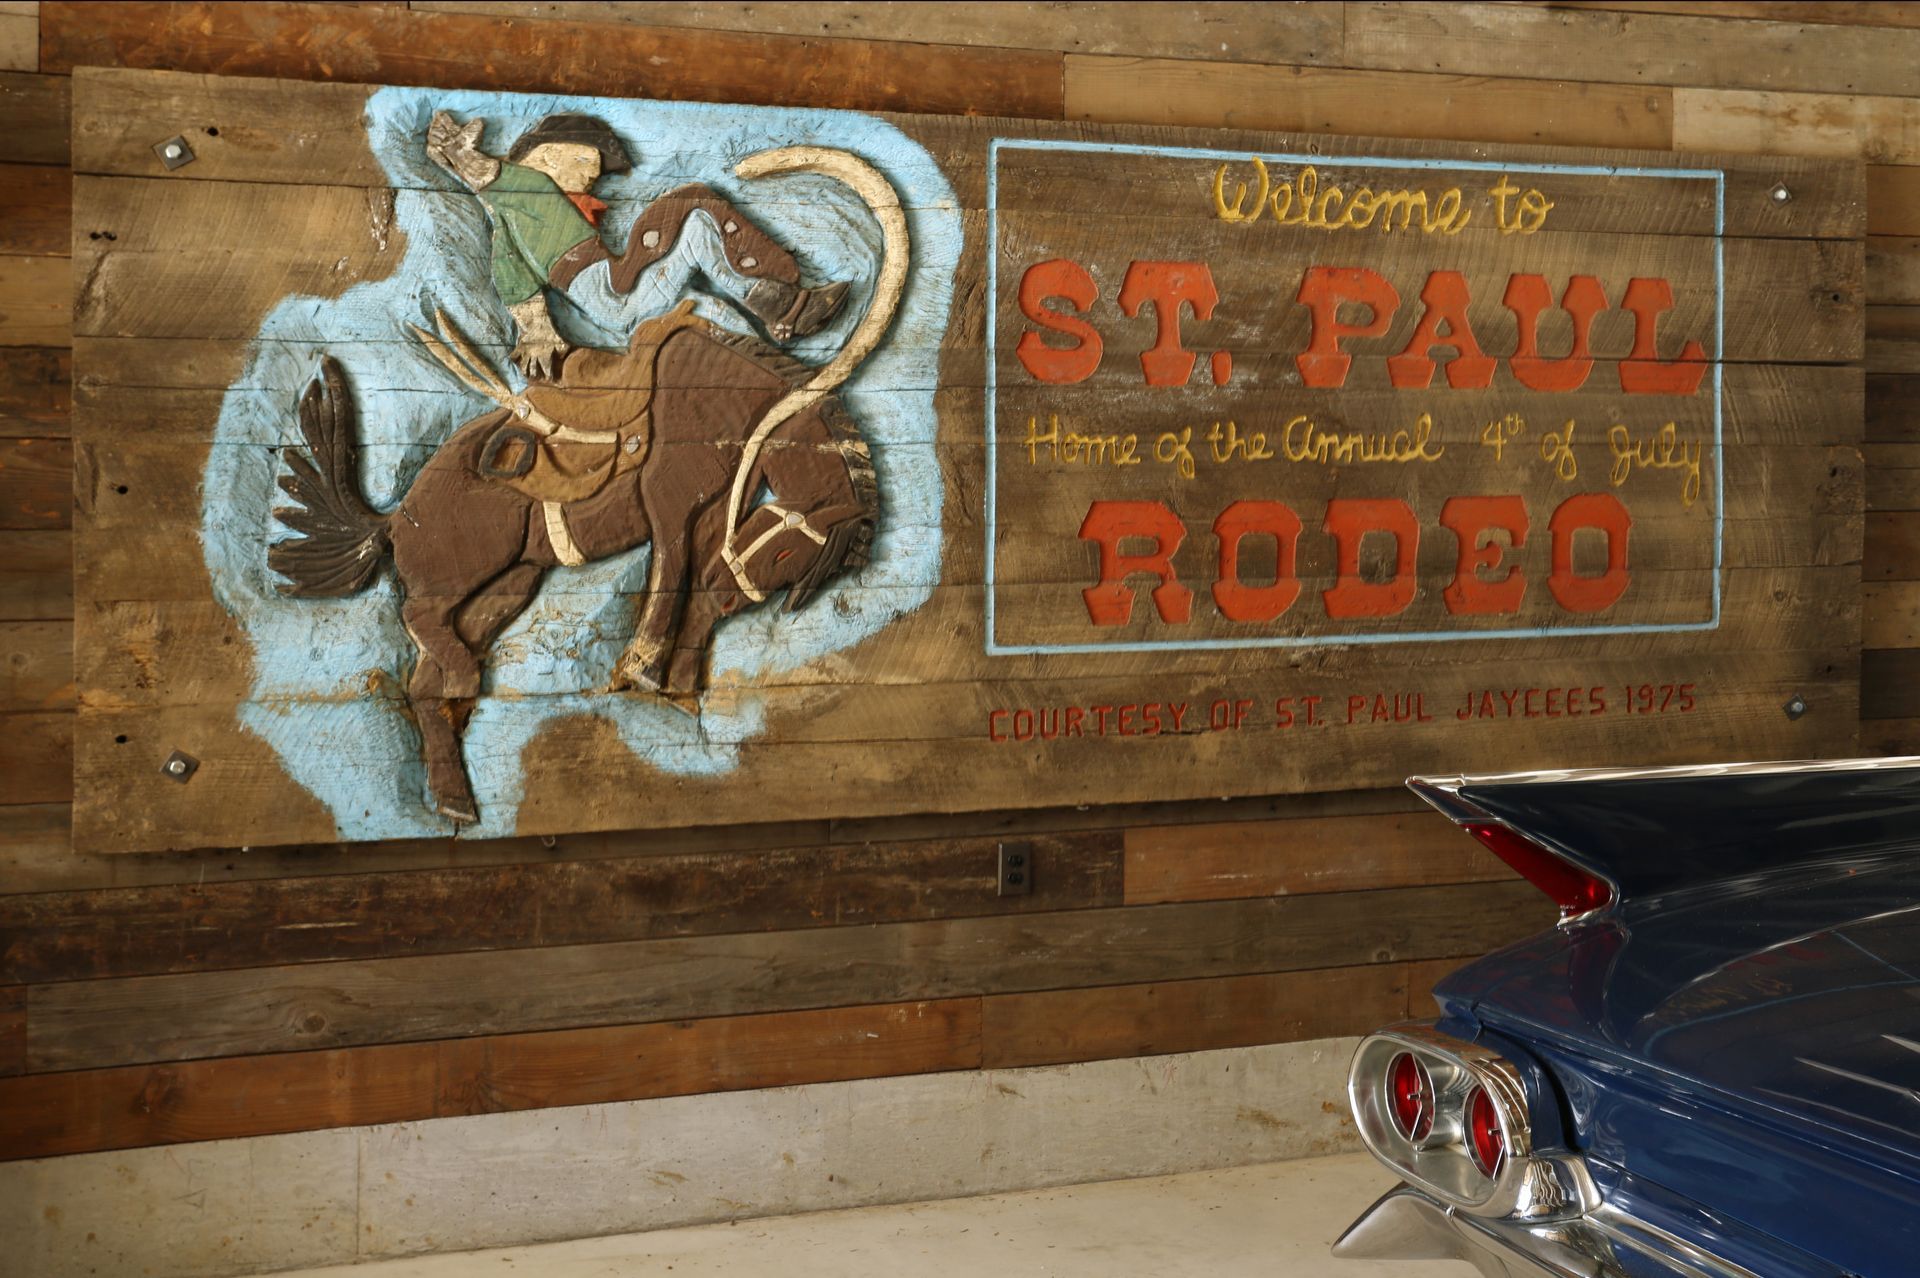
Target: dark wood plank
(1056, 1026)
(1890, 737)
(1890, 685)
(1893, 339)
(462, 51)
(36, 575)
(36, 109)
(13, 1031)
(87, 1024)
(1893, 409)
(36, 757)
(36, 484)
(36, 210)
(232, 1097)
(1281, 858)
(36, 390)
(1893, 547)
(716, 1054)
(1866, 13)
(50, 1114)
(139, 931)
(36, 665)
(1422, 977)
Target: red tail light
(1410, 1088)
(1572, 889)
(1484, 1139)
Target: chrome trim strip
(1406, 1224)
(1450, 785)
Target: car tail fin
(1592, 838)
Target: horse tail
(342, 538)
(884, 202)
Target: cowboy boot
(787, 311)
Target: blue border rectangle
(996, 145)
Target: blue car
(1710, 1068)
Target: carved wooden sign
(486, 464)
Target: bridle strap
(737, 562)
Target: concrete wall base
(453, 1184)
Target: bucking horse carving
(737, 462)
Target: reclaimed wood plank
(36, 757)
(1892, 339)
(953, 763)
(1893, 199)
(36, 301)
(1664, 49)
(1893, 476)
(13, 1031)
(84, 1024)
(36, 665)
(36, 210)
(36, 575)
(236, 1097)
(1422, 977)
(462, 51)
(496, 1073)
(37, 110)
(300, 133)
(142, 931)
(1890, 614)
(1326, 100)
(1054, 1027)
(1283, 858)
(1890, 687)
(36, 393)
(1898, 737)
(1869, 13)
(1879, 130)
(1892, 409)
(19, 42)
(51, 1114)
(1892, 551)
(36, 484)
(1291, 32)
(1893, 270)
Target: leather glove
(456, 148)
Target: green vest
(534, 224)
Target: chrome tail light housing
(1452, 1118)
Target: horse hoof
(459, 812)
(631, 675)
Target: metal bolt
(174, 152)
(1796, 706)
(1781, 194)
(179, 766)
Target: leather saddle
(600, 402)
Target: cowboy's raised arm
(456, 148)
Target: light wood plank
(36, 301)
(1664, 49)
(1879, 130)
(1869, 13)
(36, 665)
(1324, 100)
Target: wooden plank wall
(151, 999)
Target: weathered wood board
(1180, 463)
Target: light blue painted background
(316, 661)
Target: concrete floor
(1272, 1220)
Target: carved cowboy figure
(545, 236)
